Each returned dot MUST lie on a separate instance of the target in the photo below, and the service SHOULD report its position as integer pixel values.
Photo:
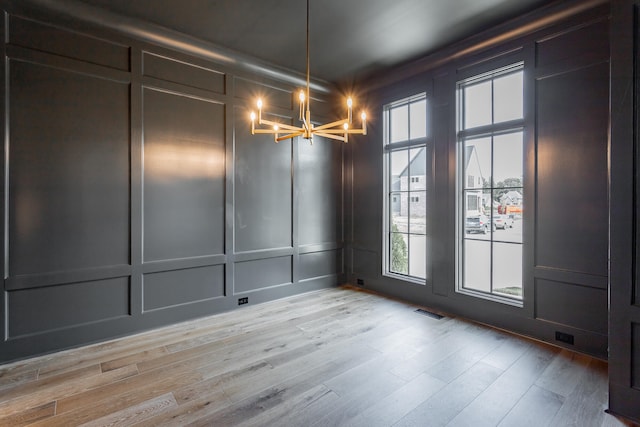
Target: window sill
(409, 279)
(492, 297)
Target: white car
(502, 222)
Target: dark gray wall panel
(271, 96)
(554, 50)
(262, 273)
(31, 34)
(320, 191)
(316, 264)
(572, 194)
(180, 72)
(366, 263)
(183, 176)
(367, 198)
(635, 355)
(68, 170)
(263, 189)
(33, 311)
(170, 288)
(572, 305)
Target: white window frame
(463, 135)
(388, 148)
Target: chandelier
(338, 130)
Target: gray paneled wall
(566, 241)
(135, 195)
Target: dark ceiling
(349, 38)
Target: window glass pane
(508, 98)
(477, 265)
(477, 163)
(417, 168)
(507, 269)
(417, 212)
(477, 105)
(399, 212)
(417, 256)
(507, 160)
(477, 223)
(508, 215)
(399, 122)
(399, 170)
(399, 253)
(418, 119)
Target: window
(490, 185)
(405, 158)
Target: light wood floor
(329, 358)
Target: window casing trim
(388, 148)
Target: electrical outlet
(563, 337)
(244, 300)
(360, 282)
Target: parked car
(478, 224)
(502, 222)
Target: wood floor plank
(497, 400)
(10, 381)
(395, 406)
(297, 404)
(132, 359)
(30, 415)
(587, 402)
(564, 373)
(537, 408)
(40, 392)
(442, 407)
(335, 357)
(189, 412)
(135, 413)
(510, 350)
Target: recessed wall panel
(45, 309)
(635, 355)
(318, 264)
(38, 36)
(184, 176)
(553, 50)
(262, 273)
(366, 263)
(572, 196)
(183, 73)
(169, 288)
(271, 96)
(320, 191)
(572, 305)
(68, 170)
(263, 189)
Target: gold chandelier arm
(332, 136)
(289, 136)
(281, 125)
(263, 131)
(342, 131)
(332, 124)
